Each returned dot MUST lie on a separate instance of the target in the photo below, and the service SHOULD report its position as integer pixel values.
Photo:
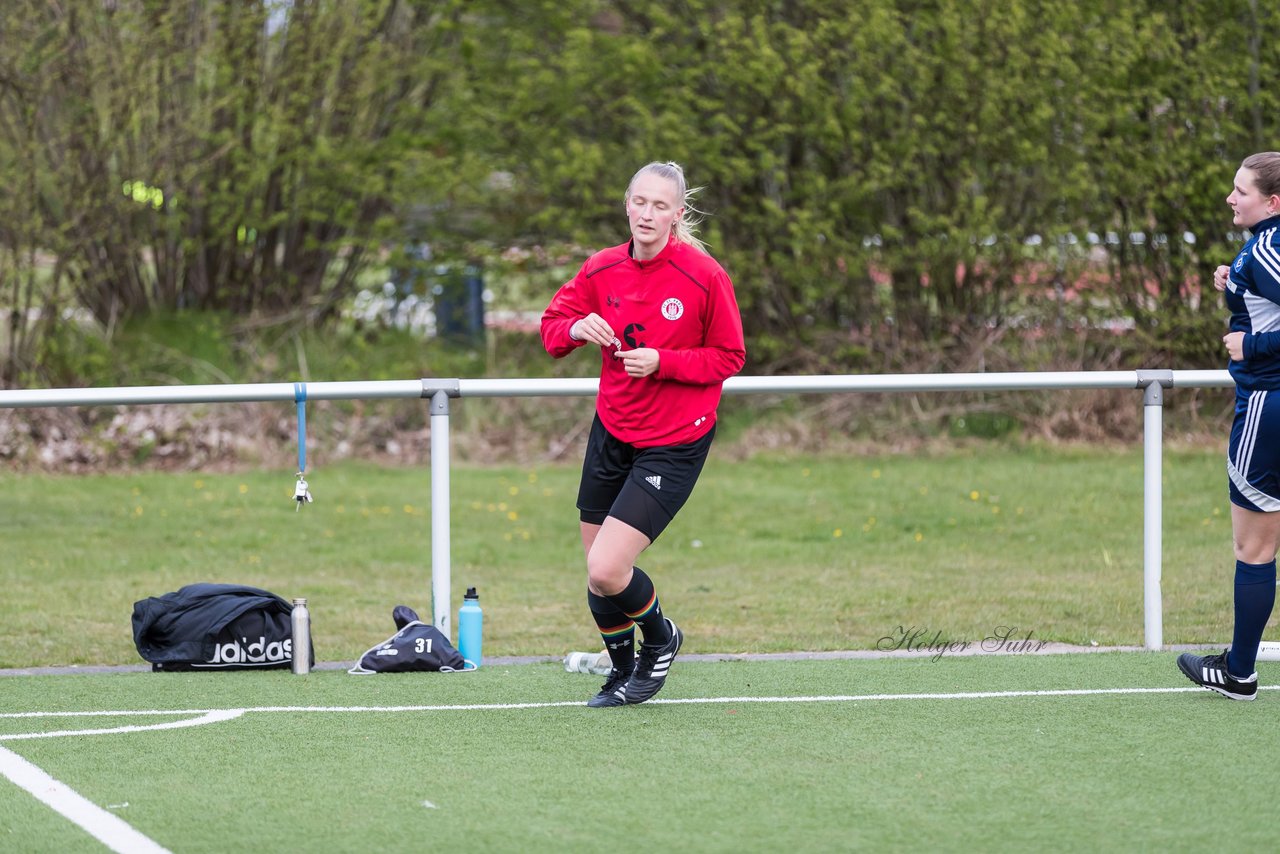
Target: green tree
(1172, 114)
(204, 159)
(891, 182)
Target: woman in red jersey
(663, 314)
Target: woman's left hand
(639, 362)
(1235, 345)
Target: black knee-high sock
(639, 601)
(617, 629)
(1255, 597)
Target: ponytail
(685, 228)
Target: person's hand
(1235, 345)
(1220, 277)
(592, 328)
(639, 362)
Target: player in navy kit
(1252, 288)
(664, 318)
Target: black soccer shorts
(644, 487)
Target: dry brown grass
(547, 430)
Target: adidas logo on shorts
(655, 480)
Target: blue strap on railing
(300, 396)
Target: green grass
(1124, 771)
(771, 554)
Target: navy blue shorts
(644, 487)
(1253, 459)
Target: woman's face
(1248, 203)
(652, 209)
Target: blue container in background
(470, 627)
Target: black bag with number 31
(416, 647)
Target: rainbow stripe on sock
(646, 610)
(618, 630)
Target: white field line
(211, 716)
(110, 830)
(216, 715)
(119, 836)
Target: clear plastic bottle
(470, 627)
(598, 663)
(300, 622)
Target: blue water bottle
(470, 623)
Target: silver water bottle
(598, 663)
(301, 623)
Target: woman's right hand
(592, 328)
(1220, 277)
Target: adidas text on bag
(214, 627)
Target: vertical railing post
(1153, 384)
(440, 570)
(440, 546)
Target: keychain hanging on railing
(301, 492)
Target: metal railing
(439, 391)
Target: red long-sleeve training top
(680, 303)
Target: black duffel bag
(214, 627)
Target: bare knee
(612, 555)
(606, 584)
(608, 577)
(1254, 551)
(1254, 535)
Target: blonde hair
(1265, 166)
(684, 229)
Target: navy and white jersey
(1253, 296)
